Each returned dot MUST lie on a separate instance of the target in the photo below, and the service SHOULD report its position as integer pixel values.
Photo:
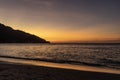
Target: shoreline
(16, 71)
(59, 65)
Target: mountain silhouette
(9, 35)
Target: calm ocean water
(93, 55)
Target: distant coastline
(90, 43)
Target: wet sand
(15, 71)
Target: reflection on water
(98, 55)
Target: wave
(65, 61)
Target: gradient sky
(64, 20)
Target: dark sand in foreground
(28, 72)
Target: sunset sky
(64, 20)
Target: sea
(99, 55)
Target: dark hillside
(9, 35)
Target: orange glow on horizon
(57, 37)
(76, 21)
(61, 36)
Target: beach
(59, 62)
(17, 71)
